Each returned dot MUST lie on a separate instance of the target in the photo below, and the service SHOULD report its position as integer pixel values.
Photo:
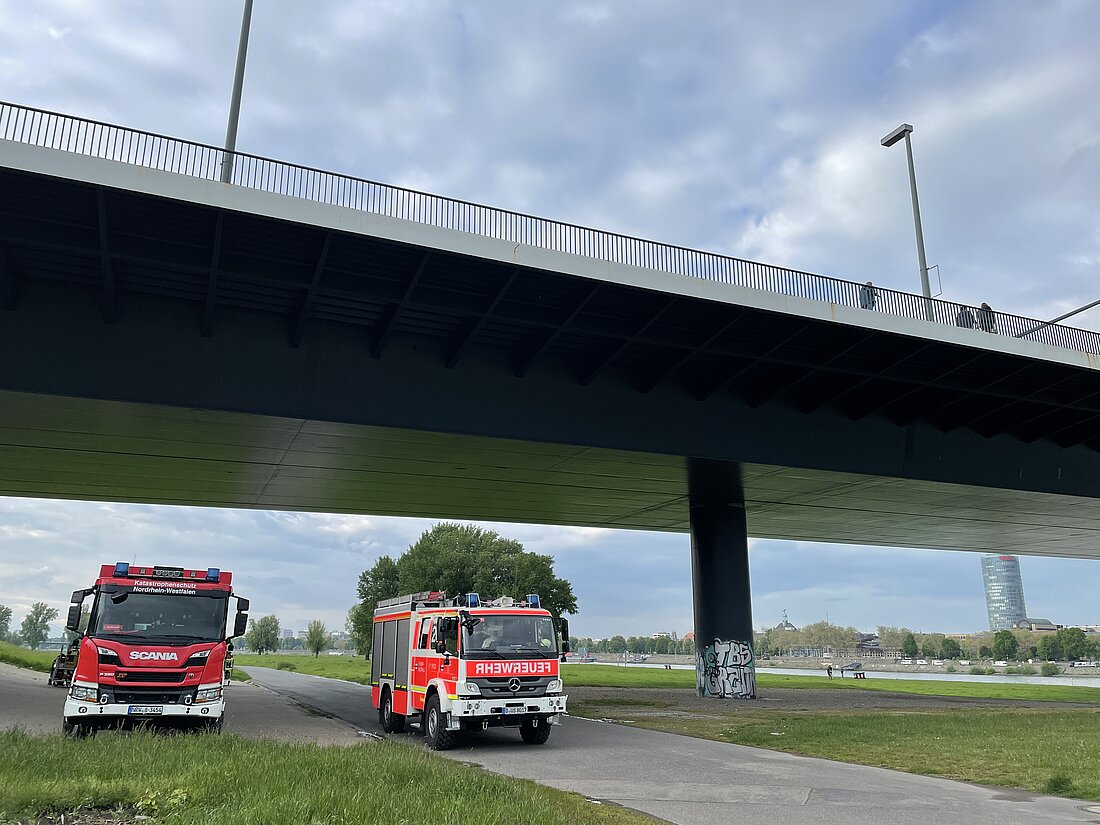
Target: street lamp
(235, 102)
(904, 131)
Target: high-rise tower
(1004, 591)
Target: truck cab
(155, 649)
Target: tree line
(265, 636)
(33, 631)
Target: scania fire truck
(155, 650)
(463, 664)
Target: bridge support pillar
(725, 664)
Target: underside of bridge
(173, 351)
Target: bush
(982, 671)
(949, 669)
(285, 666)
(1021, 670)
(1059, 785)
(1049, 669)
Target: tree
(5, 620)
(1074, 643)
(35, 628)
(262, 635)
(1005, 645)
(950, 649)
(1050, 649)
(317, 638)
(459, 559)
(616, 644)
(909, 646)
(985, 652)
(380, 582)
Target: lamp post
(904, 131)
(235, 102)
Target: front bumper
(476, 706)
(90, 712)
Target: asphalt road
(698, 782)
(27, 702)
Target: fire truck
(463, 664)
(155, 650)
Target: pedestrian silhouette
(868, 295)
(987, 322)
(965, 318)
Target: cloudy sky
(745, 128)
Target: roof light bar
(122, 568)
(213, 574)
(473, 600)
(533, 600)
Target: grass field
(40, 660)
(226, 780)
(347, 668)
(637, 677)
(1047, 751)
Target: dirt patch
(86, 816)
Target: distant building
(1004, 591)
(665, 634)
(288, 633)
(1036, 625)
(689, 636)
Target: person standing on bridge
(868, 295)
(965, 318)
(987, 322)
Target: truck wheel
(435, 729)
(535, 731)
(391, 722)
(216, 725)
(76, 731)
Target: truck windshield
(510, 637)
(169, 619)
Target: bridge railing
(67, 133)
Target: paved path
(255, 712)
(698, 782)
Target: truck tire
(76, 731)
(535, 731)
(391, 722)
(435, 728)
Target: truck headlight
(208, 695)
(85, 694)
(469, 689)
(554, 686)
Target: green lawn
(638, 677)
(223, 779)
(40, 660)
(1047, 751)
(347, 668)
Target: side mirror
(242, 605)
(441, 646)
(72, 621)
(240, 626)
(564, 638)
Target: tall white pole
(925, 286)
(235, 103)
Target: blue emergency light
(533, 600)
(122, 569)
(473, 600)
(213, 574)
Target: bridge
(304, 340)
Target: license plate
(508, 711)
(145, 710)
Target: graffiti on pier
(727, 669)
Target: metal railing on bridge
(67, 133)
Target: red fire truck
(464, 664)
(156, 648)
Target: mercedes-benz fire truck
(155, 650)
(464, 664)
